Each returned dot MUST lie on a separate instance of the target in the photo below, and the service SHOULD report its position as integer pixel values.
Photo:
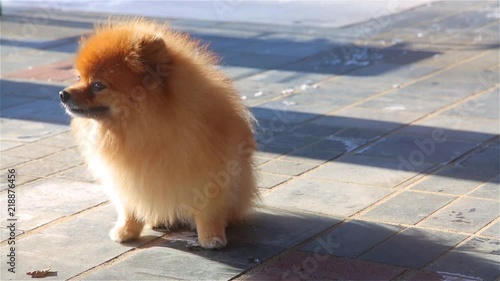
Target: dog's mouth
(91, 112)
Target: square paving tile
(77, 173)
(43, 168)
(38, 110)
(266, 180)
(490, 190)
(5, 145)
(271, 151)
(310, 155)
(485, 106)
(476, 258)
(413, 247)
(401, 101)
(418, 149)
(351, 238)
(69, 156)
(369, 170)
(327, 197)
(9, 162)
(307, 266)
(309, 129)
(487, 158)
(290, 141)
(492, 231)
(28, 131)
(464, 215)
(73, 246)
(64, 140)
(46, 200)
(21, 180)
(31, 151)
(334, 143)
(397, 210)
(367, 118)
(161, 263)
(456, 179)
(261, 160)
(455, 127)
(286, 167)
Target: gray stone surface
(28, 131)
(4, 145)
(311, 155)
(162, 263)
(456, 179)
(266, 180)
(64, 140)
(492, 231)
(9, 162)
(39, 110)
(340, 108)
(46, 200)
(72, 246)
(77, 173)
(40, 92)
(31, 58)
(398, 102)
(10, 101)
(352, 238)
(334, 143)
(264, 234)
(43, 168)
(271, 151)
(455, 127)
(395, 210)
(326, 197)
(286, 167)
(419, 149)
(369, 170)
(31, 151)
(489, 190)
(21, 179)
(261, 160)
(367, 118)
(477, 258)
(70, 156)
(486, 158)
(465, 215)
(485, 106)
(424, 246)
(290, 141)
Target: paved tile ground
(379, 153)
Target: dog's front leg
(127, 228)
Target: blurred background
(323, 13)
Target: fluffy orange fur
(165, 132)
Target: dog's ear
(150, 55)
(152, 49)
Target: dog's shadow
(267, 233)
(264, 233)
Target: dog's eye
(98, 86)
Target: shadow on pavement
(267, 233)
(299, 134)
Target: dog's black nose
(64, 96)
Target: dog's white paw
(213, 243)
(120, 234)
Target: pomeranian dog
(164, 131)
